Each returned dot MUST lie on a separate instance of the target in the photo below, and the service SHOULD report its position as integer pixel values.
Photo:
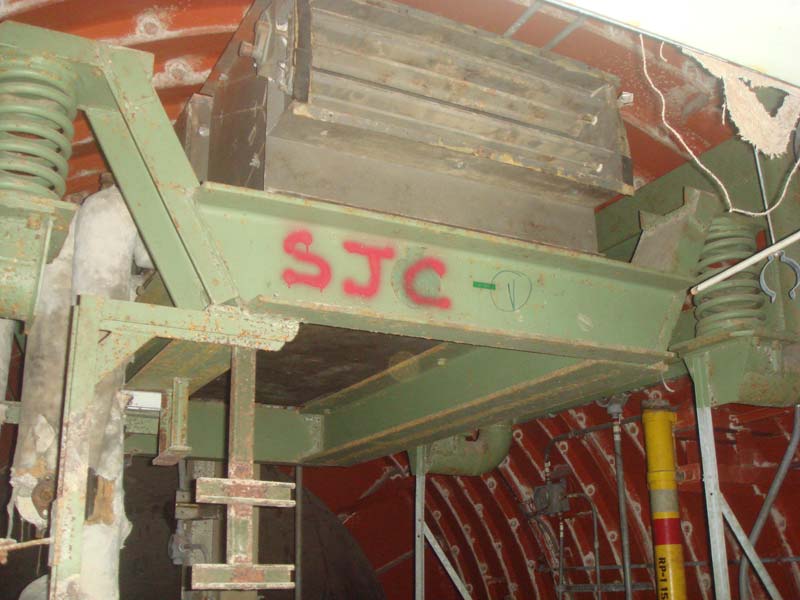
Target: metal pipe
(658, 420)
(606, 587)
(747, 262)
(448, 566)
(419, 526)
(596, 540)
(748, 549)
(564, 33)
(699, 369)
(298, 532)
(560, 557)
(687, 563)
(576, 433)
(769, 500)
(623, 513)
(523, 18)
(764, 199)
(7, 327)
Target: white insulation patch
(770, 134)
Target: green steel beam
(156, 365)
(217, 325)
(305, 259)
(462, 393)
(282, 435)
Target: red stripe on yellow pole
(658, 421)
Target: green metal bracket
(32, 230)
(88, 358)
(671, 243)
(173, 436)
(750, 368)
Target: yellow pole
(658, 421)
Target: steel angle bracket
(173, 426)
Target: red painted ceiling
(500, 551)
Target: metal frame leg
(242, 494)
(448, 566)
(717, 508)
(748, 549)
(708, 452)
(298, 532)
(419, 526)
(73, 468)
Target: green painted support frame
(173, 434)
(128, 326)
(562, 302)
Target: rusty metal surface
(245, 491)
(472, 516)
(173, 434)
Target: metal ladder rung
(242, 577)
(217, 490)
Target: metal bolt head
(246, 49)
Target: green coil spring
(37, 106)
(736, 304)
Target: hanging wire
(721, 186)
(764, 199)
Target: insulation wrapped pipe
(36, 452)
(458, 455)
(96, 259)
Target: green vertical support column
(73, 468)
(240, 452)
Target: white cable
(677, 135)
(786, 183)
(664, 383)
(726, 197)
